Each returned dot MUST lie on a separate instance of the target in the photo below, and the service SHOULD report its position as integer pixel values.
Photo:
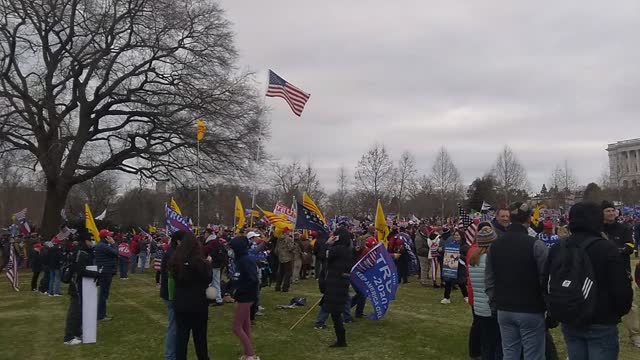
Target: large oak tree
(88, 86)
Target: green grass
(416, 327)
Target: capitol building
(624, 163)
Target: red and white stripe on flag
(279, 87)
(470, 234)
(21, 215)
(12, 269)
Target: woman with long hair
(488, 330)
(246, 284)
(192, 275)
(453, 269)
(335, 284)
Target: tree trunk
(55, 199)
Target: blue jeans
(105, 287)
(143, 260)
(123, 263)
(522, 333)
(54, 281)
(170, 340)
(134, 263)
(323, 315)
(215, 283)
(591, 342)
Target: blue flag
(376, 276)
(413, 260)
(175, 221)
(309, 220)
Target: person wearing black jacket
(513, 283)
(320, 253)
(82, 258)
(170, 339)
(55, 263)
(192, 275)
(106, 257)
(44, 260)
(622, 237)
(335, 284)
(36, 265)
(246, 284)
(599, 338)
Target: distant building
(624, 163)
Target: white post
(89, 308)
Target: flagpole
(198, 182)
(255, 182)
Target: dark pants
(34, 280)
(44, 282)
(73, 326)
(358, 300)
(448, 284)
(191, 322)
(157, 277)
(317, 270)
(285, 270)
(123, 264)
(490, 341)
(403, 268)
(591, 342)
(105, 287)
(338, 327)
(475, 350)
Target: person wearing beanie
(513, 282)
(598, 338)
(622, 237)
(487, 331)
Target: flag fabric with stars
(279, 87)
(309, 220)
(464, 220)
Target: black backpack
(67, 267)
(571, 289)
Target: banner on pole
(376, 276)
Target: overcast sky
(554, 80)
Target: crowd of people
(508, 273)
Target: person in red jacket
(124, 254)
(135, 250)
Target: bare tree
(405, 175)
(291, 180)
(374, 171)
(341, 195)
(509, 174)
(91, 86)
(445, 177)
(563, 178)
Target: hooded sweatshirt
(245, 279)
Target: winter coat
(245, 280)
(106, 256)
(621, 235)
(214, 248)
(55, 258)
(81, 259)
(191, 285)
(476, 279)
(164, 273)
(36, 261)
(434, 245)
(422, 245)
(335, 285)
(305, 246)
(285, 248)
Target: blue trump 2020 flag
(376, 276)
(175, 221)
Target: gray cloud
(554, 81)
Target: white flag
(485, 206)
(102, 216)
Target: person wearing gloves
(246, 283)
(622, 237)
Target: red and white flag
(279, 87)
(12, 269)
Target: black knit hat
(606, 204)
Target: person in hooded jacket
(335, 285)
(599, 338)
(246, 284)
(192, 275)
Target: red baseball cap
(105, 233)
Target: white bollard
(89, 308)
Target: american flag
(279, 87)
(12, 268)
(470, 234)
(63, 234)
(464, 220)
(21, 215)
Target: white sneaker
(260, 308)
(636, 343)
(445, 301)
(56, 295)
(73, 341)
(466, 300)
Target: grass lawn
(416, 327)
